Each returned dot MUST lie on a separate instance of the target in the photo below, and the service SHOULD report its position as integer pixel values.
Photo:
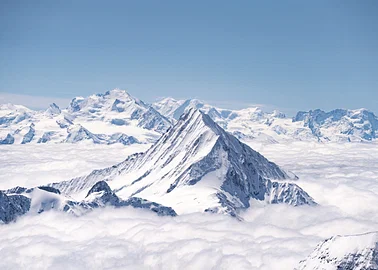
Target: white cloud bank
(343, 178)
(31, 165)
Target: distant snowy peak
(53, 110)
(358, 252)
(117, 106)
(272, 127)
(101, 101)
(78, 133)
(340, 124)
(186, 106)
(14, 114)
(116, 111)
(8, 107)
(167, 106)
(194, 167)
(114, 116)
(173, 109)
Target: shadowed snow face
(342, 178)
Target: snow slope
(113, 117)
(118, 108)
(342, 178)
(255, 124)
(105, 117)
(168, 107)
(18, 201)
(340, 125)
(358, 252)
(196, 166)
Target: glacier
(112, 117)
(116, 111)
(253, 123)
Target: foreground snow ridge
(196, 166)
(19, 201)
(358, 252)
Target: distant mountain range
(197, 161)
(113, 117)
(117, 117)
(255, 124)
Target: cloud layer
(32, 165)
(343, 178)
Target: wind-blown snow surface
(342, 178)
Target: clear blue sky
(295, 55)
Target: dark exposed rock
(12, 206)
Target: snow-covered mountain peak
(190, 104)
(75, 104)
(196, 166)
(278, 114)
(118, 93)
(340, 124)
(105, 102)
(168, 101)
(112, 117)
(173, 108)
(119, 108)
(167, 106)
(53, 110)
(13, 107)
(359, 252)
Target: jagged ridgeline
(271, 127)
(125, 119)
(196, 161)
(344, 252)
(195, 166)
(19, 201)
(128, 120)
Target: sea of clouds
(342, 178)
(30, 165)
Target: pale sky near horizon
(291, 55)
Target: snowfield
(341, 177)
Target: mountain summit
(358, 252)
(112, 117)
(254, 124)
(119, 108)
(196, 166)
(340, 124)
